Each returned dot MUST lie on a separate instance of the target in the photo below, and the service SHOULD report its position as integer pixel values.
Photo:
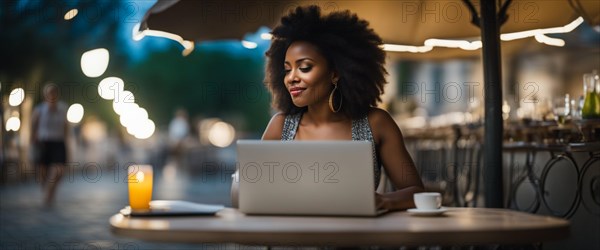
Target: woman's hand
(381, 202)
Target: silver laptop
(306, 178)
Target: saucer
(432, 212)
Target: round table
(458, 226)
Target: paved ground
(89, 194)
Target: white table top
(458, 226)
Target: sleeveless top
(361, 131)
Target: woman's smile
(296, 91)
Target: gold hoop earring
(331, 97)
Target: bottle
(591, 104)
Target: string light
(137, 35)
(540, 35)
(249, 45)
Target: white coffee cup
(428, 200)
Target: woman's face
(307, 75)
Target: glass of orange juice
(139, 178)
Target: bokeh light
(110, 87)
(93, 130)
(128, 114)
(221, 134)
(94, 62)
(133, 115)
(145, 129)
(123, 101)
(16, 97)
(71, 14)
(75, 113)
(13, 123)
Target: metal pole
(492, 158)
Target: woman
(326, 75)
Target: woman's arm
(274, 128)
(398, 164)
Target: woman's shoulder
(378, 116)
(381, 122)
(275, 127)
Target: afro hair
(351, 48)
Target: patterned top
(361, 131)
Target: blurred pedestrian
(48, 134)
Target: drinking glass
(139, 178)
(561, 109)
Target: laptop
(306, 178)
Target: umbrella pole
(493, 127)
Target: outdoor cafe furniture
(458, 226)
(450, 160)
